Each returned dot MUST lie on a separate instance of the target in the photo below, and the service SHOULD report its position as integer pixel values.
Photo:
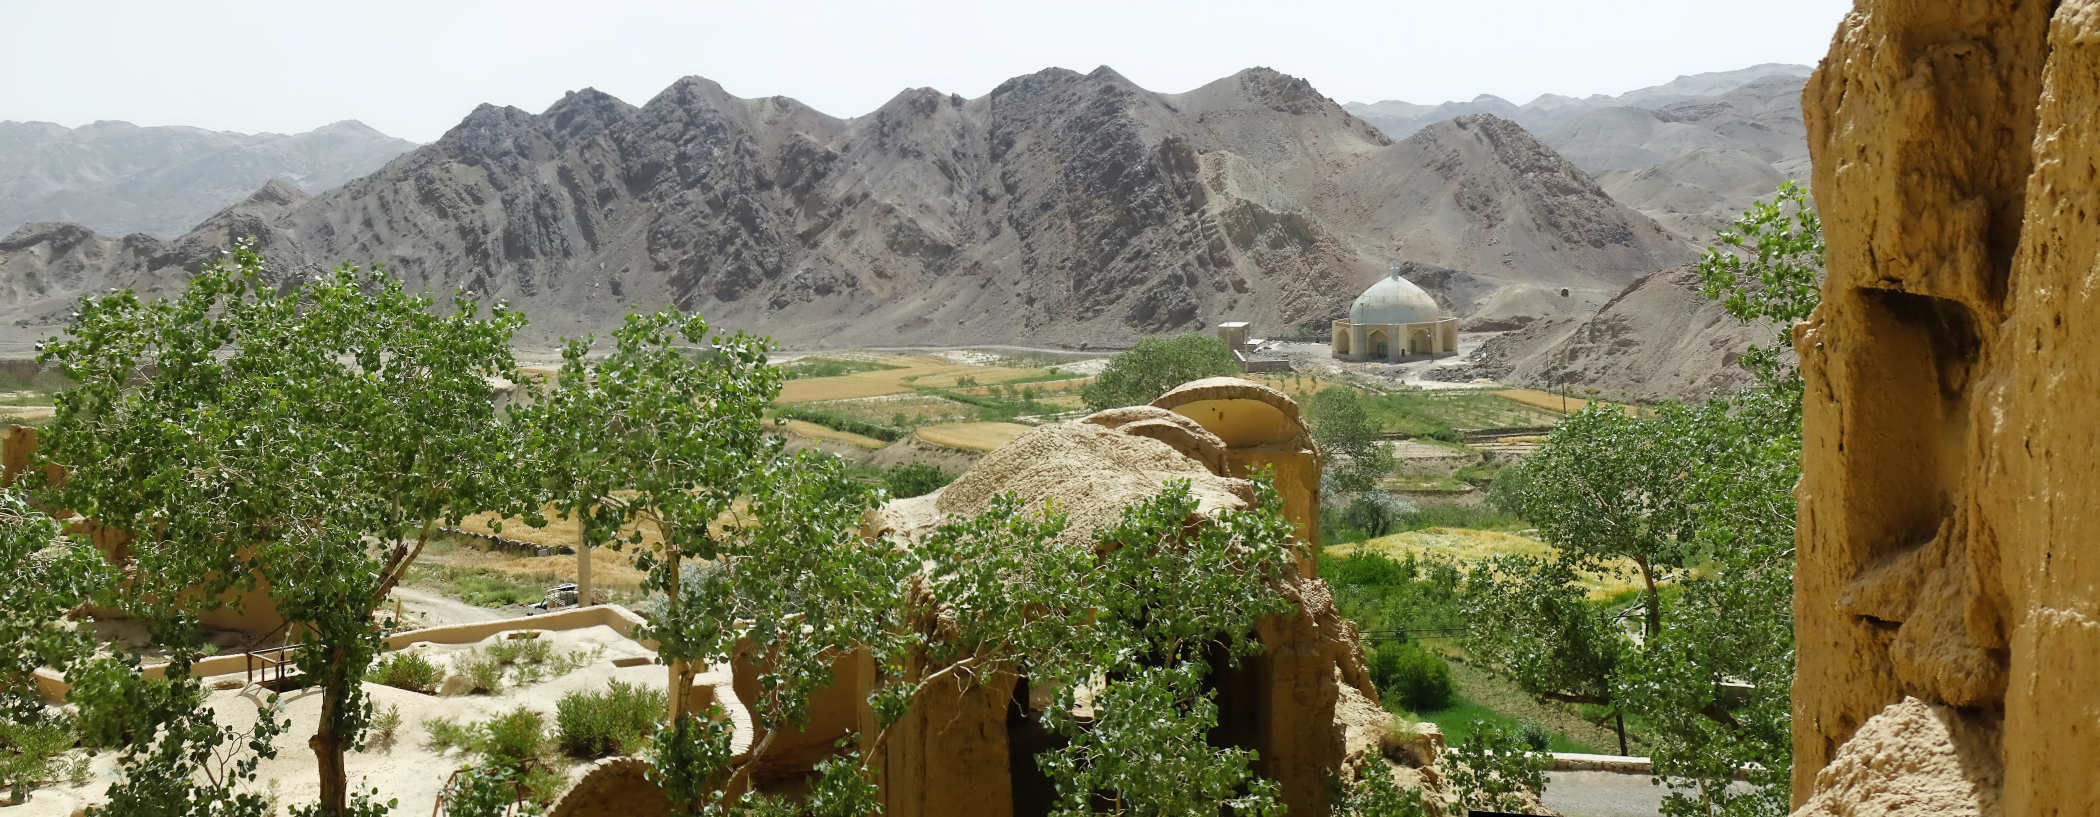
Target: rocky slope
(1061, 208)
(1660, 339)
(1692, 153)
(118, 178)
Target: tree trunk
(1620, 716)
(1655, 614)
(329, 745)
(583, 575)
(681, 671)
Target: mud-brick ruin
(968, 749)
(1948, 589)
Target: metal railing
(272, 658)
(451, 790)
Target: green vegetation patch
(810, 367)
(591, 725)
(837, 422)
(1440, 414)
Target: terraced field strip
(1462, 546)
(809, 429)
(870, 384)
(985, 375)
(1552, 402)
(1045, 386)
(973, 436)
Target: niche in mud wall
(1906, 432)
(1241, 692)
(1035, 794)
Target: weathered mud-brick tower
(1948, 588)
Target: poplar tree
(303, 438)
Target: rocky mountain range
(1060, 209)
(1691, 153)
(119, 178)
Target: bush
(1491, 766)
(1156, 365)
(837, 422)
(1534, 735)
(483, 791)
(386, 726)
(906, 480)
(483, 670)
(406, 670)
(1419, 679)
(27, 756)
(445, 734)
(518, 736)
(592, 725)
(1378, 513)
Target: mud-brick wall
(1949, 517)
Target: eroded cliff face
(1947, 518)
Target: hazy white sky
(413, 68)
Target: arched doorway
(1341, 341)
(1378, 346)
(1418, 343)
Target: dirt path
(435, 610)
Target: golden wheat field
(1552, 402)
(812, 430)
(870, 384)
(1459, 545)
(973, 436)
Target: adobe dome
(1393, 300)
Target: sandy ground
(405, 771)
(1603, 794)
(429, 609)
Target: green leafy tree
(1768, 268)
(915, 479)
(1530, 617)
(1707, 485)
(1155, 366)
(1713, 686)
(1608, 485)
(650, 438)
(1356, 458)
(305, 438)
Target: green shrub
(906, 480)
(1155, 366)
(1534, 735)
(406, 670)
(1491, 766)
(27, 756)
(483, 671)
(520, 650)
(482, 791)
(1420, 679)
(386, 726)
(445, 734)
(837, 422)
(518, 736)
(597, 724)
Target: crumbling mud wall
(1949, 530)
